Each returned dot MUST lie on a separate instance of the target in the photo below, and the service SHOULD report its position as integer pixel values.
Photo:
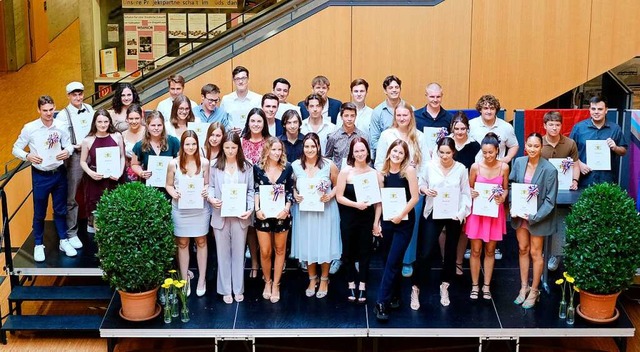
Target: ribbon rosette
(277, 191)
(443, 132)
(533, 192)
(52, 140)
(566, 164)
(323, 186)
(497, 191)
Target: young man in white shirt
(76, 119)
(315, 122)
(359, 89)
(239, 102)
(282, 88)
(176, 87)
(330, 108)
(49, 145)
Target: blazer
(543, 222)
(334, 110)
(216, 178)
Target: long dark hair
(116, 101)
(182, 156)
(207, 147)
(351, 160)
(449, 142)
(94, 129)
(316, 140)
(246, 133)
(242, 163)
(174, 110)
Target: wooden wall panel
(219, 75)
(418, 45)
(528, 52)
(615, 36)
(17, 189)
(319, 45)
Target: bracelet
(575, 179)
(256, 210)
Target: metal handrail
(198, 53)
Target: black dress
(356, 227)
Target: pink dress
(252, 150)
(486, 228)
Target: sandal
(522, 295)
(444, 294)
(459, 271)
(253, 273)
(415, 298)
(486, 293)
(323, 294)
(362, 295)
(275, 293)
(475, 289)
(266, 294)
(352, 292)
(309, 292)
(532, 298)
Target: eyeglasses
(212, 101)
(184, 109)
(240, 79)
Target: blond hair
(412, 134)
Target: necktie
(81, 111)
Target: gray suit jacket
(542, 223)
(216, 179)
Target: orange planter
(598, 307)
(139, 306)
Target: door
(38, 28)
(3, 41)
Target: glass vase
(184, 313)
(562, 312)
(175, 309)
(167, 313)
(571, 315)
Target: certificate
(367, 187)
(394, 200)
(158, 166)
(190, 189)
(47, 147)
(271, 200)
(598, 155)
(445, 204)
(108, 162)
(431, 136)
(565, 175)
(481, 204)
(521, 203)
(200, 128)
(81, 126)
(234, 199)
(308, 189)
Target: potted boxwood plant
(602, 251)
(136, 247)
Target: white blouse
(457, 177)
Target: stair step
(52, 323)
(61, 293)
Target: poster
(239, 18)
(217, 23)
(177, 25)
(197, 25)
(211, 4)
(145, 39)
(113, 32)
(108, 61)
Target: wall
(61, 13)
(524, 52)
(16, 26)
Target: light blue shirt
(381, 119)
(218, 115)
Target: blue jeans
(47, 183)
(395, 240)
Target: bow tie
(81, 111)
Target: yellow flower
(165, 285)
(168, 281)
(183, 282)
(178, 284)
(576, 288)
(172, 271)
(570, 280)
(559, 281)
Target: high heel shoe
(253, 273)
(475, 290)
(532, 298)
(201, 292)
(522, 295)
(486, 292)
(362, 294)
(266, 294)
(323, 293)
(352, 292)
(275, 293)
(415, 298)
(444, 294)
(310, 292)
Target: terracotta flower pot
(139, 306)
(598, 307)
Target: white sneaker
(91, 229)
(498, 254)
(247, 253)
(38, 253)
(467, 254)
(66, 247)
(335, 266)
(75, 242)
(553, 263)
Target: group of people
(324, 145)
